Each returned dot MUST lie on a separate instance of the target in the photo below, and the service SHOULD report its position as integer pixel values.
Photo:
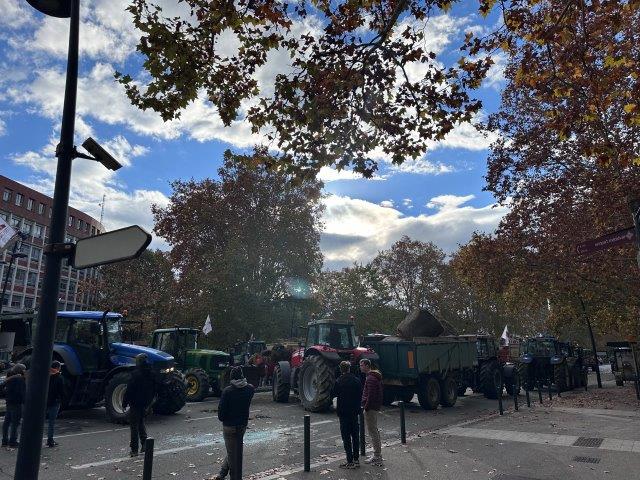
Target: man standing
(233, 412)
(15, 389)
(371, 403)
(54, 400)
(141, 390)
(348, 389)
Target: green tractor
(202, 369)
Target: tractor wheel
(490, 379)
(172, 395)
(280, 387)
(197, 384)
(429, 393)
(462, 390)
(526, 377)
(449, 389)
(315, 384)
(560, 374)
(406, 395)
(619, 382)
(512, 385)
(113, 397)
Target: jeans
(11, 423)
(233, 438)
(137, 428)
(350, 436)
(52, 414)
(371, 421)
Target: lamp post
(14, 254)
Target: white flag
(207, 326)
(6, 233)
(505, 335)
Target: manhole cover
(588, 442)
(586, 459)
(507, 476)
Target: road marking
(90, 433)
(187, 447)
(215, 416)
(613, 444)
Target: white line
(180, 449)
(214, 416)
(90, 433)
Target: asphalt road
(189, 444)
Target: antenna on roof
(104, 197)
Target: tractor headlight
(167, 370)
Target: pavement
(471, 440)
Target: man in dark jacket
(15, 390)
(54, 399)
(141, 389)
(348, 389)
(372, 403)
(233, 412)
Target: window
(87, 333)
(86, 227)
(25, 248)
(63, 285)
(114, 333)
(93, 230)
(30, 204)
(72, 287)
(16, 301)
(70, 221)
(50, 211)
(336, 336)
(28, 302)
(26, 228)
(35, 254)
(6, 195)
(62, 329)
(37, 231)
(5, 216)
(32, 278)
(79, 224)
(21, 276)
(15, 221)
(41, 207)
(19, 198)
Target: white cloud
(495, 76)
(15, 13)
(356, 230)
(407, 202)
(386, 203)
(422, 166)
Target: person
(348, 390)
(15, 391)
(141, 390)
(371, 404)
(233, 412)
(54, 400)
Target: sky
(437, 198)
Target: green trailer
(431, 367)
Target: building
(29, 211)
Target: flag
(6, 233)
(207, 326)
(505, 335)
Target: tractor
(202, 368)
(97, 366)
(545, 361)
(624, 358)
(313, 368)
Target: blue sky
(437, 198)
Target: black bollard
(586, 380)
(148, 459)
(549, 390)
(403, 426)
(526, 391)
(540, 391)
(500, 406)
(363, 448)
(515, 397)
(307, 443)
(236, 474)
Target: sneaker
(346, 465)
(133, 454)
(370, 459)
(52, 444)
(356, 463)
(377, 461)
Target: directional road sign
(111, 247)
(614, 239)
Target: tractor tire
(512, 385)
(619, 382)
(406, 395)
(449, 392)
(560, 375)
(526, 377)
(198, 385)
(280, 388)
(172, 395)
(490, 379)
(113, 397)
(429, 393)
(316, 381)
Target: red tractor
(313, 368)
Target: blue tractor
(97, 365)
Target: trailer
(434, 368)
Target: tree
(239, 244)
(359, 78)
(144, 287)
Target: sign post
(607, 241)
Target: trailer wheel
(197, 384)
(490, 379)
(315, 384)
(449, 389)
(280, 387)
(429, 393)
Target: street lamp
(14, 254)
(28, 461)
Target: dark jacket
(233, 408)
(56, 390)
(372, 392)
(15, 389)
(141, 388)
(348, 389)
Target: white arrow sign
(111, 247)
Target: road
(189, 444)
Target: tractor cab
(624, 359)
(243, 351)
(329, 333)
(175, 341)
